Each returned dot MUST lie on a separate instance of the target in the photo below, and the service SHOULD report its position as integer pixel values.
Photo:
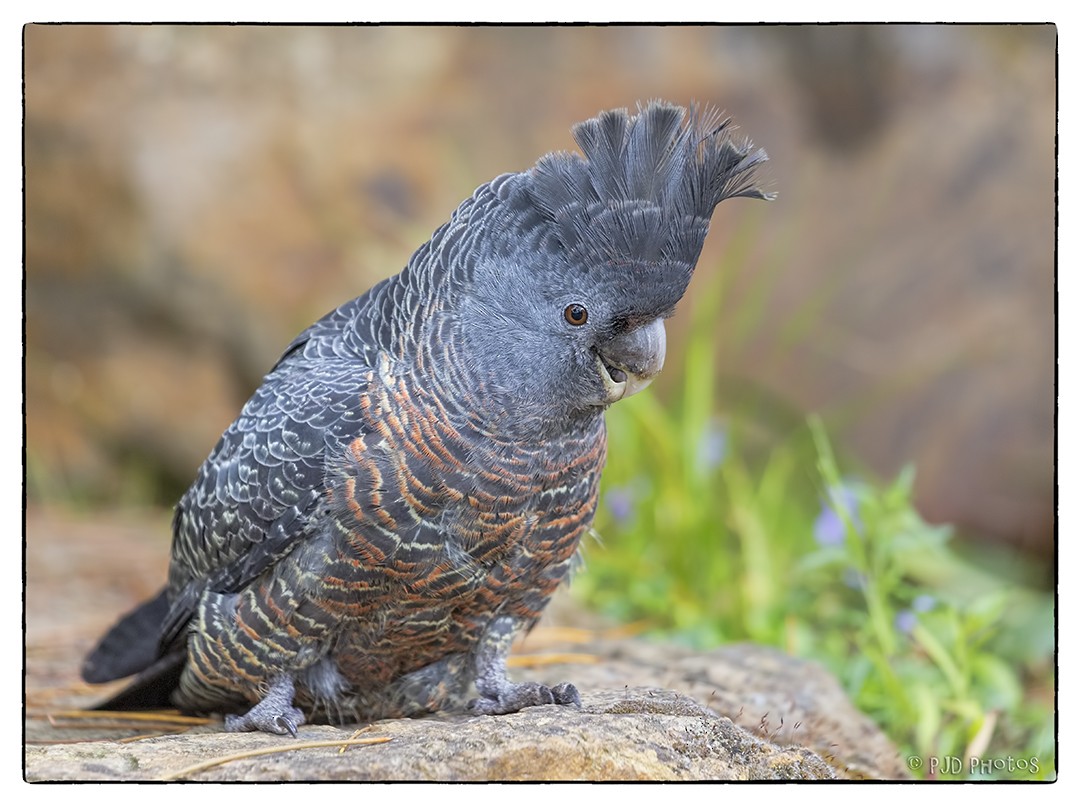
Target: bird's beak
(629, 362)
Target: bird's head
(574, 265)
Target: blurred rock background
(195, 196)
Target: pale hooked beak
(629, 362)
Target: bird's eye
(576, 315)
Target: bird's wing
(263, 487)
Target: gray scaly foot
(497, 694)
(274, 713)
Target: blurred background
(197, 195)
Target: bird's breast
(435, 527)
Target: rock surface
(744, 712)
(650, 711)
(639, 734)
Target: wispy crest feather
(646, 185)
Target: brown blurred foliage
(196, 195)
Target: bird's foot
(515, 696)
(274, 713)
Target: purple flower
(906, 621)
(713, 447)
(620, 503)
(829, 528)
(923, 602)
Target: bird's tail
(131, 646)
(152, 689)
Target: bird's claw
(289, 725)
(525, 695)
(566, 694)
(280, 723)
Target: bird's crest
(647, 185)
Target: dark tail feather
(131, 646)
(152, 689)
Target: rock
(772, 717)
(632, 735)
(650, 711)
(790, 702)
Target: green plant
(925, 643)
(716, 530)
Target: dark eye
(576, 314)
